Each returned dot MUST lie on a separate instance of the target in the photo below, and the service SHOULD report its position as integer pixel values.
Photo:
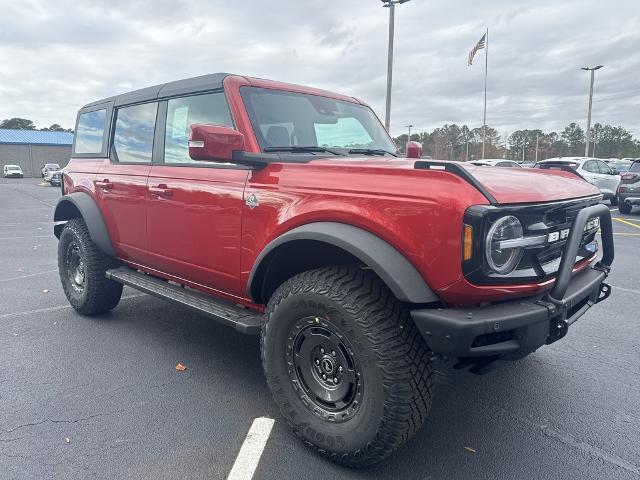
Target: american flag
(474, 50)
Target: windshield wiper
(371, 151)
(301, 149)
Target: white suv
(593, 170)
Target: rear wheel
(345, 364)
(82, 268)
(624, 208)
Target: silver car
(593, 170)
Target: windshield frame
(389, 148)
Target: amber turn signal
(467, 242)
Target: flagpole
(486, 66)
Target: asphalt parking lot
(101, 398)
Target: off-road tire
(397, 378)
(613, 201)
(98, 294)
(624, 208)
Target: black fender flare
(67, 208)
(386, 261)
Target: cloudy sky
(56, 56)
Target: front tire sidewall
(76, 299)
(347, 436)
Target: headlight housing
(501, 255)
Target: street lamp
(592, 70)
(409, 137)
(390, 4)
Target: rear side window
(591, 167)
(133, 136)
(90, 132)
(183, 112)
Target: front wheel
(82, 268)
(345, 364)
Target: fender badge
(252, 201)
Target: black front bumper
(516, 328)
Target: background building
(31, 149)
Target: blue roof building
(35, 137)
(32, 149)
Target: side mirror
(615, 171)
(214, 142)
(414, 150)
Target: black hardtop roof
(202, 83)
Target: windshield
(635, 167)
(287, 119)
(13, 168)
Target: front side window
(90, 132)
(286, 120)
(603, 168)
(133, 137)
(183, 112)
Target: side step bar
(242, 319)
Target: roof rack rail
(458, 170)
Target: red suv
(285, 211)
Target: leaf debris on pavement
(180, 367)
(470, 450)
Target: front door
(194, 209)
(121, 182)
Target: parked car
(55, 178)
(593, 170)
(496, 162)
(629, 189)
(620, 166)
(12, 171)
(49, 167)
(285, 211)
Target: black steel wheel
(345, 364)
(82, 268)
(324, 368)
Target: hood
(507, 185)
(528, 185)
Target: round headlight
(503, 259)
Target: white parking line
(27, 276)
(53, 309)
(23, 237)
(245, 465)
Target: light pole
(592, 70)
(390, 4)
(537, 143)
(408, 138)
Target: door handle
(161, 190)
(105, 184)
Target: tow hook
(605, 291)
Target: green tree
(573, 135)
(18, 124)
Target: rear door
(121, 183)
(194, 208)
(591, 172)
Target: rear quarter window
(90, 132)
